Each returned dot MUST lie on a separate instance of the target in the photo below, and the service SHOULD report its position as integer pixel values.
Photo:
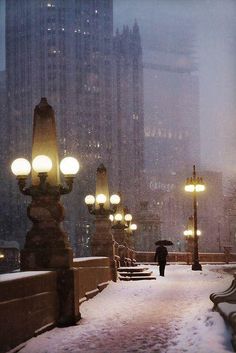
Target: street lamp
(194, 185)
(47, 245)
(130, 233)
(101, 206)
(188, 233)
(122, 226)
(46, 212)
(42, 165)
(100, 200)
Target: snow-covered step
(136, 278)
(144, 273)
(132, 269)
(135, 273)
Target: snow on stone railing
(225, 303)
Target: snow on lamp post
(195, 185)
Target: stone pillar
(102, 243)
(45, 140)
(47, 245)
(119, 235)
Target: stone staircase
(135, 273)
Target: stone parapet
(225, 303)
(185, 257)
(34, 301)
(28, 303)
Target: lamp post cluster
(122, 226)
(42, 165)
(96, 204)
(194, 185)
(46, 245)
(112, 220)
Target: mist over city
(118, 176)
(150, 96)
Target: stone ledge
(225, 304)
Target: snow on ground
(170, 315)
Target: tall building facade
(172, 122)
(64, 50)
(129, 113)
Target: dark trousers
(162, 265)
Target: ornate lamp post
(188, 233)
(101, 206)
(120, 223)
(132, 227)
(47, 245)
(194, 185)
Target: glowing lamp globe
(133, 226)
(89, 200)
(111, 217)
(118, 217)
(21, 167)
(199, 232)
(69, 166)
(101, 199)
(200, 187)
(42, 164)
(128, 217)
(115, 199)
(189, 188)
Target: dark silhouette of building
(129, 114)
(149, 227)
(64, 50)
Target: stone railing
(225, 304)
(30, 302)
(124, 255)
(186, 257)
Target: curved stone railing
(225, 303)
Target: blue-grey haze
(215, 53)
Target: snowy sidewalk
(170, 315)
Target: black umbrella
(164, 242)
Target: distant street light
(122, 226)
(130, 232)
(188, 233)
(194, 185)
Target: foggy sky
(215, 22)
(2, 34)
(215, 46)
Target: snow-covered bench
(225, 304)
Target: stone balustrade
(225, 303)
(30, 301)
(186, 257)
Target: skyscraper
(129, 112)
(64, 50)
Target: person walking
(160, 256)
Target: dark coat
(161, 254)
